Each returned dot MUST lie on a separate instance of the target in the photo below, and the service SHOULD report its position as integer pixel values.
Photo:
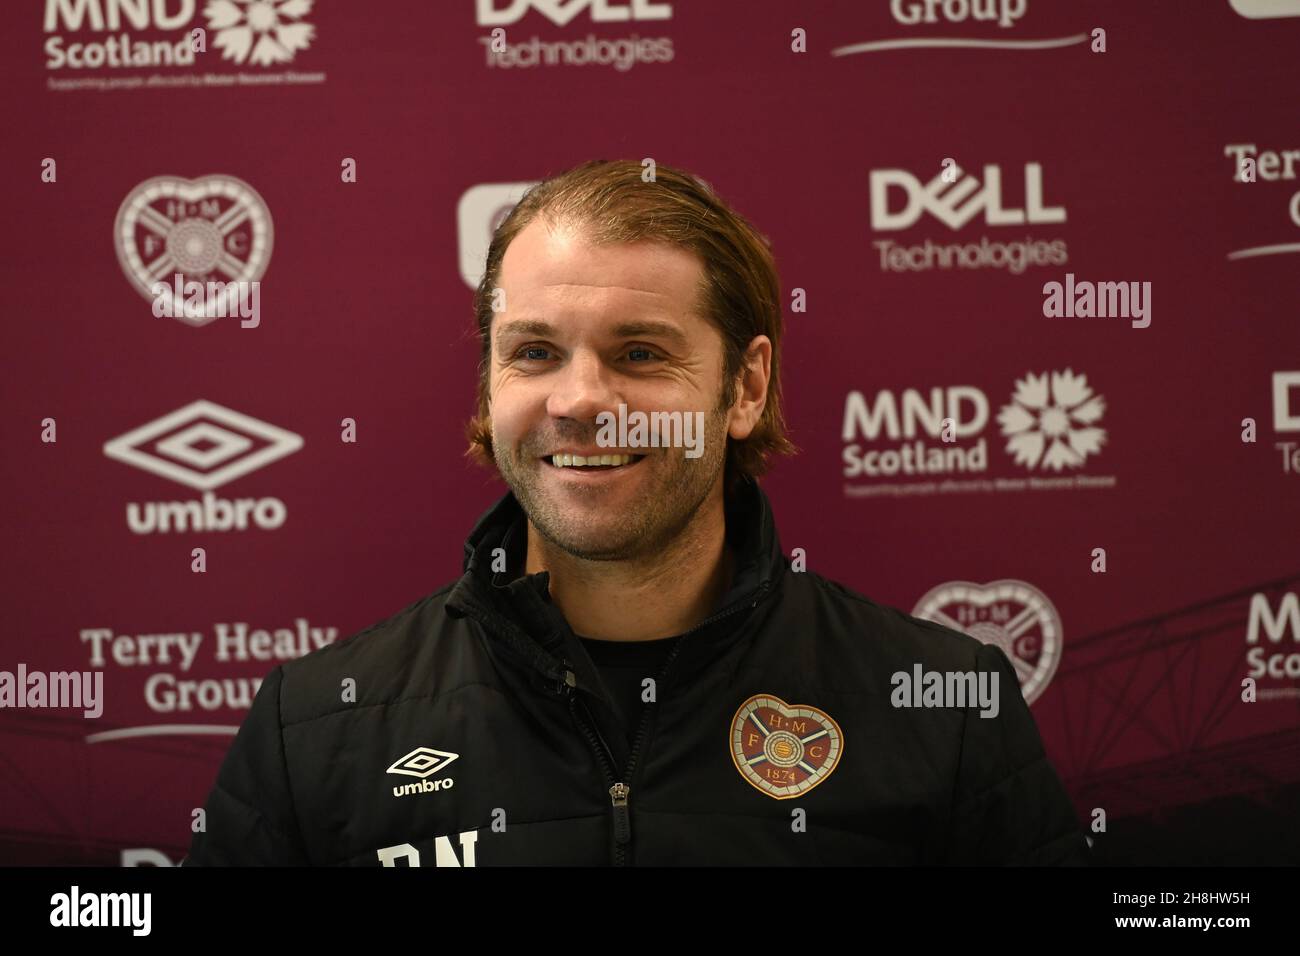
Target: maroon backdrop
(1072, 433)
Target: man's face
(585, 329)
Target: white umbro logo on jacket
(423, 762)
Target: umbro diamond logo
(423, 762)
(203, 445)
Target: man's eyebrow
(625, 330)
(527, 327)
(650, 328)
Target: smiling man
(599, 326)
(630, 670)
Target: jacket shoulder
(840, 610)
(420, 651)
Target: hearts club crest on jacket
(784, 750)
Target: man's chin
(598, 538)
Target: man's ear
(751, 388)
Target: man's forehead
(544, 263)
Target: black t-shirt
(623, 665)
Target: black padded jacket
(478, 732)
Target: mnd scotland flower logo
(262, 32)
(1053, 425)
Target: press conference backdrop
(1114, 498)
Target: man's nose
(584, 387)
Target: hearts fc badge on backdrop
(1012, 614)
(783, 749)
(212, 229)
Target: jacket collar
(518, 609)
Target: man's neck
(661, 596)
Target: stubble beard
(670, 498)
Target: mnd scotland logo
(263, 32)
(1050, 422)
(84, 37)
(922, 442)
(1274, 662)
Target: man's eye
(645, 352)
(527, 352)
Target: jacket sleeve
(1009, 806)
(250, 816)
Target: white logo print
(959, 204)
(561, 12)
(226, 433)
(216, 225)
(1285, 384)
(1266, 9)
(262, 32)
(1012, 615)
(1053, 426)
(204, 446)
(481, 209)
(423, 762)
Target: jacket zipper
(620, 793)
